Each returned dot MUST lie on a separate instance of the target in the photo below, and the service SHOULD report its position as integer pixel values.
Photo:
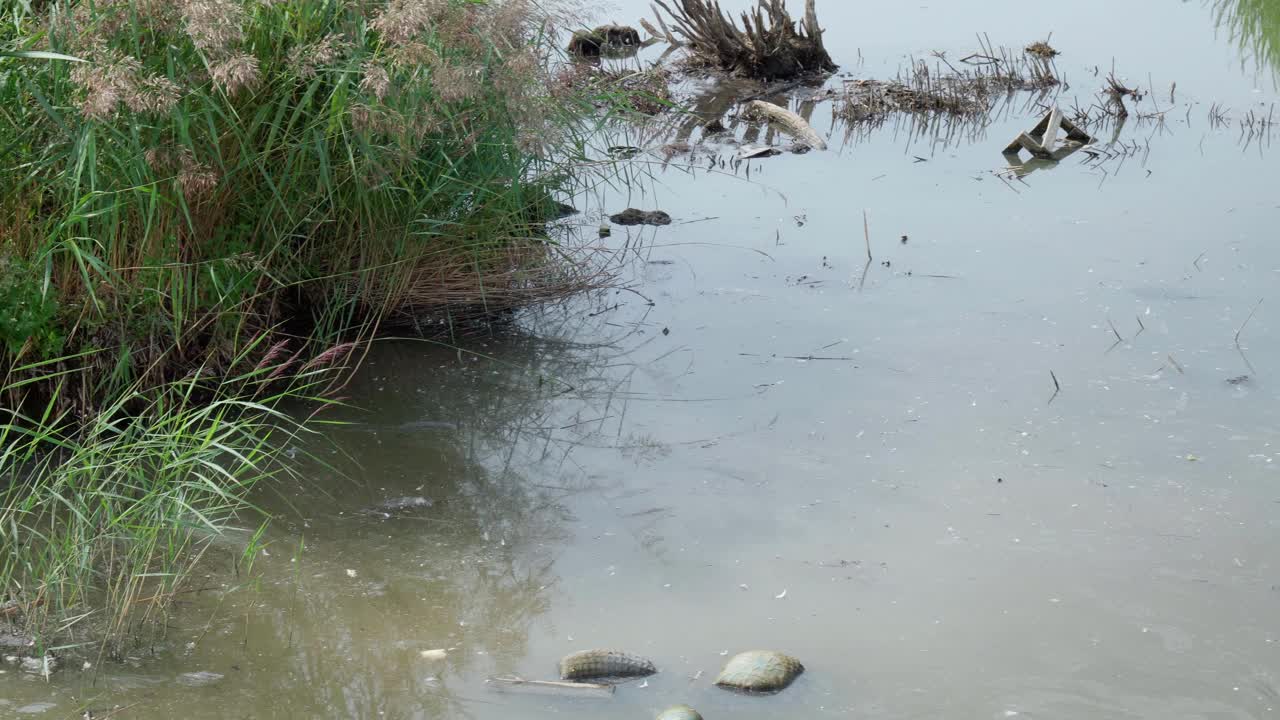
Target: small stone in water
(759, 671)
(679, 712)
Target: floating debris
(632, 216)
(1041, 49)
(1042, 141)
(748, 152)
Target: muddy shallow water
(871, 473)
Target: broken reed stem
(1242, 327)
(866, 234)
(1056, 387)
(1114, 330)
(1141, 328)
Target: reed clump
(970, 91)
(203, 198)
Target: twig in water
(814, 357)
(1141, 328)
(1057, 388)
(1196, 262)
(1176, 366)
(1242, 327)
(1114, 330)
(866, 234)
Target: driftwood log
(769, 45)
(787, 121)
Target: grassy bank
(203, 211)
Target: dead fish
(388, 508)
(199, 679)
(598, 664)
(759, 671)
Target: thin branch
(1242, 327)
(1114, 330)
(866, 234)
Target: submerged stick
(1056, 387)
(1114, 330)
(1242, 327)
(788, 122)
(552, 687)
(866, 234)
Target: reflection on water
(1255, 26)
(343, 603)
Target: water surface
(865, 465)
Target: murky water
(871, 473)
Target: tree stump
(770, 45)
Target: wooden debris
(788, 122)
(550, 687)
(1042, 141)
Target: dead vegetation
(647, 92)
(485, 289)
(1041, 49)
(940, 89)
(769, 45)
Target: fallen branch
(1242, 327)
(515, 684)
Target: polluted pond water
(961, 434)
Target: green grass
(1255, 25)
(102, 521)
(205, 204)
(333, 190)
